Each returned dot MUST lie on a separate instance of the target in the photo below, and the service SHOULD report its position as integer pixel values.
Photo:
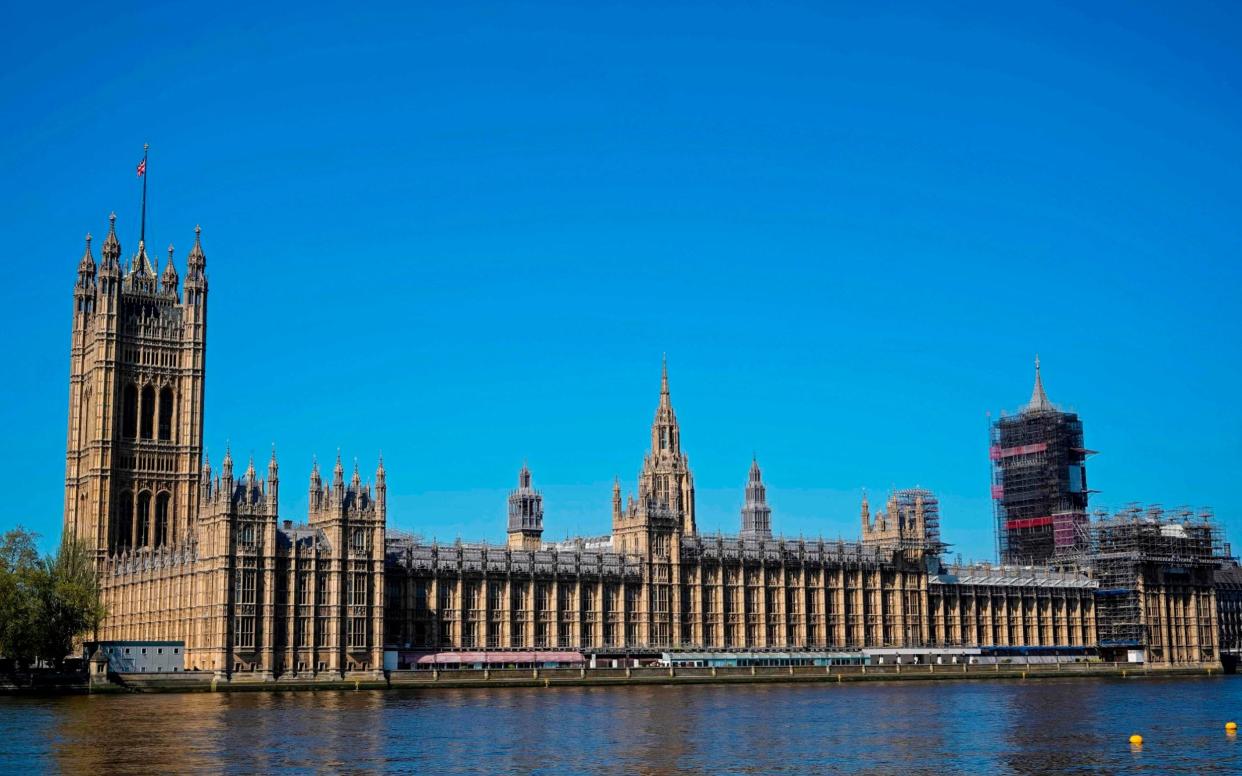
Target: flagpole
(142, 234)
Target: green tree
(45, 605)
(69, 605)
(20, 572)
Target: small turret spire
(111, 246)
(197, 260)
(86, 267)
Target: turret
(84, 289)
(866, 515)
(616, 499)
(226, 471)
(756, 514)
(338, 481)
(205, 478)
(110, 266)
(525, 514)
(196, 273)
(315, 497)
(111, 248)
(273, 482)
(251, 480)
(381, 489)
(169, 279)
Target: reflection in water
(885, 727)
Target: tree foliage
(45, 604)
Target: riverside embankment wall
(569, 677)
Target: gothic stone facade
(184, 555)
(655, 584)
(187, 554)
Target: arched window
(144, 519)
(148, 411)
(129, 421)
(161, 519)
(166, 413)
(124, 520)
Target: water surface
(1072, 725)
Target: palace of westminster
(204, 557)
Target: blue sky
(465, 236)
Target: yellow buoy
(1136, 739)
(1232, 727)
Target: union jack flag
(142, 168)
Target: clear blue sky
(465, 237)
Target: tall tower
(756, 514)
(525, 514)
(665, 480)
(136, 373)
(1039, 481)
(652, 525)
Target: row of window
(140, 412)
(134, 523)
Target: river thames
(975, 727)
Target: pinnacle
(1039, 399)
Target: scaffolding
(908, 501)
(1039, 485)
(1139, 548)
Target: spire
(1039, 400)
(756, 514)
(380, 472)
(250, 475)
(665, 435)
(524, 477)
(169, 280)
(111, 246)
(197, 260)
(88, 258)
(226, 467)
(616, 499)
(866, 513)
(338, 473)
(664, 398)
(355, 481)
(86, 273)
(272, 466)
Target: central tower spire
(665, 434)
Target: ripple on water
(1072, 726)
